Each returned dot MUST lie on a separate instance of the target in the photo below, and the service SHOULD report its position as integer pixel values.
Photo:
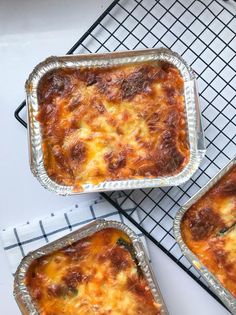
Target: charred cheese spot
(74, 276)
(78, 250)
(58, 155)
(48, 112)
(203, 223)
(57, 290)
(170, 93)
(168, 156)
(98, 275)
(88, 76)
(99, 107)
(120, 259)
(109, 84)
(78, 152)
(209, 230)
(55, 83)
(137, 82)
(89, 117)
(60, 158)
(229, 188)
(75, 102)
(172, 119)
(37, 295)
(115, 161)
(152, 121)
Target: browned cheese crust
(209, 230)
(96, 275)
(105, 124)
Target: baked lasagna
(209, 230)
(113, 123)
(98, 274)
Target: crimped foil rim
(195, 132)
(223, 294)
(21, 292)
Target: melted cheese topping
(102, 124)
(96, 275)
(209, 230)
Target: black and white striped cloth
(19, 240)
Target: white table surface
(31, 30)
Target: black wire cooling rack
(203, 32)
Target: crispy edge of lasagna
(98, 274)
(116, 123)
(209, 230)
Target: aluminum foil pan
(21, 292)
(223, 294)
(194, 125)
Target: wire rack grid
(203, 32)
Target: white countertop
(29, 32)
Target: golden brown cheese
(123, 122)
(209, 230)
(96, 275)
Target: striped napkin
(18, 241)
